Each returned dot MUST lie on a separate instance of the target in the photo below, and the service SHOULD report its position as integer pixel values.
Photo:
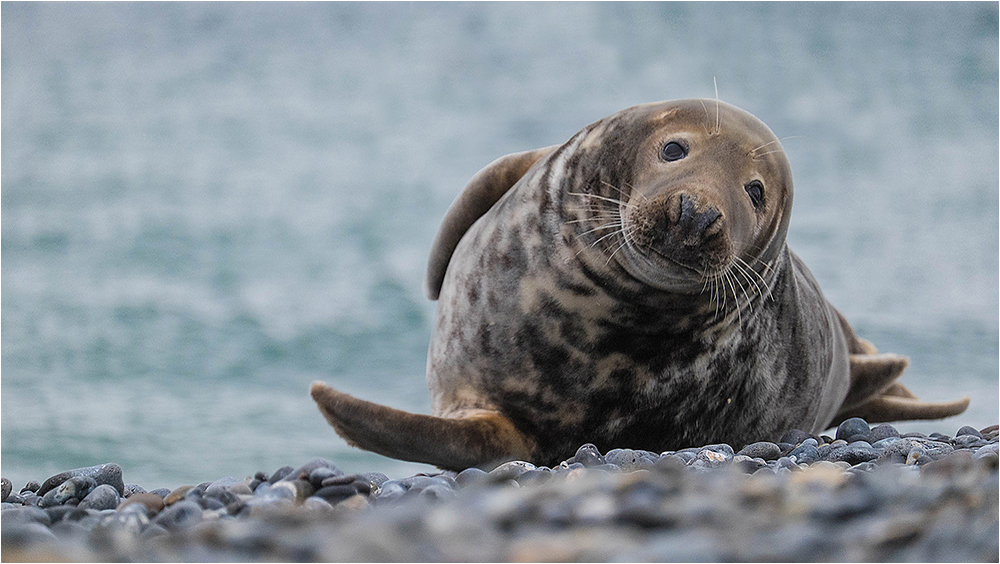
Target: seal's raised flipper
(481, 438)
(876, 397)
(478, 196)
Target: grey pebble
(31, 486)
(102, 497)
(852, 427)
(179, 516)
(880, 432)
(5, 489)
(470, 476)
(805, 453)
(110, 474)
(588, 455)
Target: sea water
(205, 207)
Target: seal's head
(689, 190)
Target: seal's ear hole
(673, 151)
(756, 192)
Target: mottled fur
(591, 303)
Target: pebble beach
(867, 493)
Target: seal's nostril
(695, 220)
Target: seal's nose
(695, 221)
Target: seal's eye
(673, 151)
(756, 192)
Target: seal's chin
(661, 271)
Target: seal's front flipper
(480, 438)
(876, 397)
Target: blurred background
(207, 206)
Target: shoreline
(869, 493)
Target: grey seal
(631, 288)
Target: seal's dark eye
(673, 151)
(756, 192)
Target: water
(208, 206)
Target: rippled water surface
(208, 206)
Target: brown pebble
(176, 495)
(154, 503)
(354, 502)
(990, 429)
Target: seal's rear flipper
(876, 397)
(481, 438)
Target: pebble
(868, 494)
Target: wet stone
(5, 489)
(511, 470)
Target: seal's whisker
(707, 117)
(596, 197)
(743, 267)
(743, 290)
(608, 215)
(717, 128)
(728, 278)
(604, 226)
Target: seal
(632, 288)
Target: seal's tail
(481, 438)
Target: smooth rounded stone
(64, 512)
(31, 486)
(794, 436)
(967, 441)
(152, 531)
(25, 533)
(985, 450)
(948, 465)
(317, 504)
(26, 514)
(436, 492)
(177, 495)
(261, 476)
(937, 449)
(805, 453)
(747, 464)
(851, 427)
(854, 453)
(102, 497)
(220, 492)
(471, 476)
(588, 455)
(511, 470)
(763, 449)
(318, 475)
(211, 504)
(5, 489)
(110, 474)
(390, 490)
(31, 499)
(785, 448)
(683, 457)
(883, 431)
(302, 472)
(240, 489)
(534, 477)
(182, 515)
(336, 493)
(359, 482)
(295, 491)
(152, 502)
(280, 473)
(991, 430)
(223, 483)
